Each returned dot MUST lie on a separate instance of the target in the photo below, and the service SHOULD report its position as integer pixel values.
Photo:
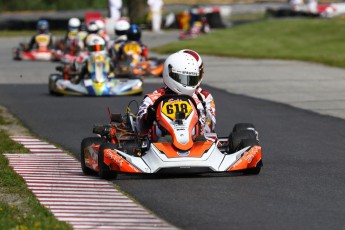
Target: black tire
(243, 126)
(257, 169)
(52, 82)
(104, 171)
(85, 143)
(235, 139)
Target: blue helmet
(43, 26)
(134, 33)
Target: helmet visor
(95, 48)
(186, 80)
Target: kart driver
(204, 96)
(133, 47)
(43, 39)
(96, 48)
(176, 83)
(121, 28)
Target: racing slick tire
(236, 138)
(257, 168)
(243, 126)
(52, 82)
(86, 142)
(104, 170)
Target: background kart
(121, 85)
(33, 55)
(121, 149)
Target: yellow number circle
(170, 108)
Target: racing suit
(114, 45)
(143, 123)
(135, 50)
(209, 107)
(42, 41)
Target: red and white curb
(84, 202)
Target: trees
(137, 10)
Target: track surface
(300, 187)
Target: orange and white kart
(153, 67)
(178, 149)
(42, 53)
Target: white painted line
(79, 189)
(99, 209)
(105, 215)
(77, 199)
(31, 146)
(113, 220)
(67, 182)
(81, 196)
(38, 150)
(68, 204)
(95, 211)
(61, 177)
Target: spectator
(114, 7)
(156, 13)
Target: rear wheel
(104, 170)
(243, 126)
(52, 84)
(84, 144)
(235, 139)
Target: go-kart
(180, 147)
(98, 83)
(41, 53)
(199, 27)
(152, 67)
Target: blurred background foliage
(28, 5)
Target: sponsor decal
(112, 154)
(183, 153)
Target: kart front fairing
(156, 161)
(109, 87)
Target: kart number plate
(42, 39)
(170, 108)
(98, 58)
(133, 48)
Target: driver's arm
(32, 43)
(144, 118)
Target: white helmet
(92, 27)
(198, 59)
(100, 25)
(181, 73)
(95, 44)
(73, 24)
(121, 27)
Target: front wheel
(87, 142)
(104, 170)
(251, 142)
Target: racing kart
(20, 53)
(180, 148)
(41, 53)
(150, 68)
(98, 82)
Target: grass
(19, 208)
(16, 33)
(315, 40)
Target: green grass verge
(16, 33)
(315, 40)
(19, 208)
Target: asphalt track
(300, 187)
